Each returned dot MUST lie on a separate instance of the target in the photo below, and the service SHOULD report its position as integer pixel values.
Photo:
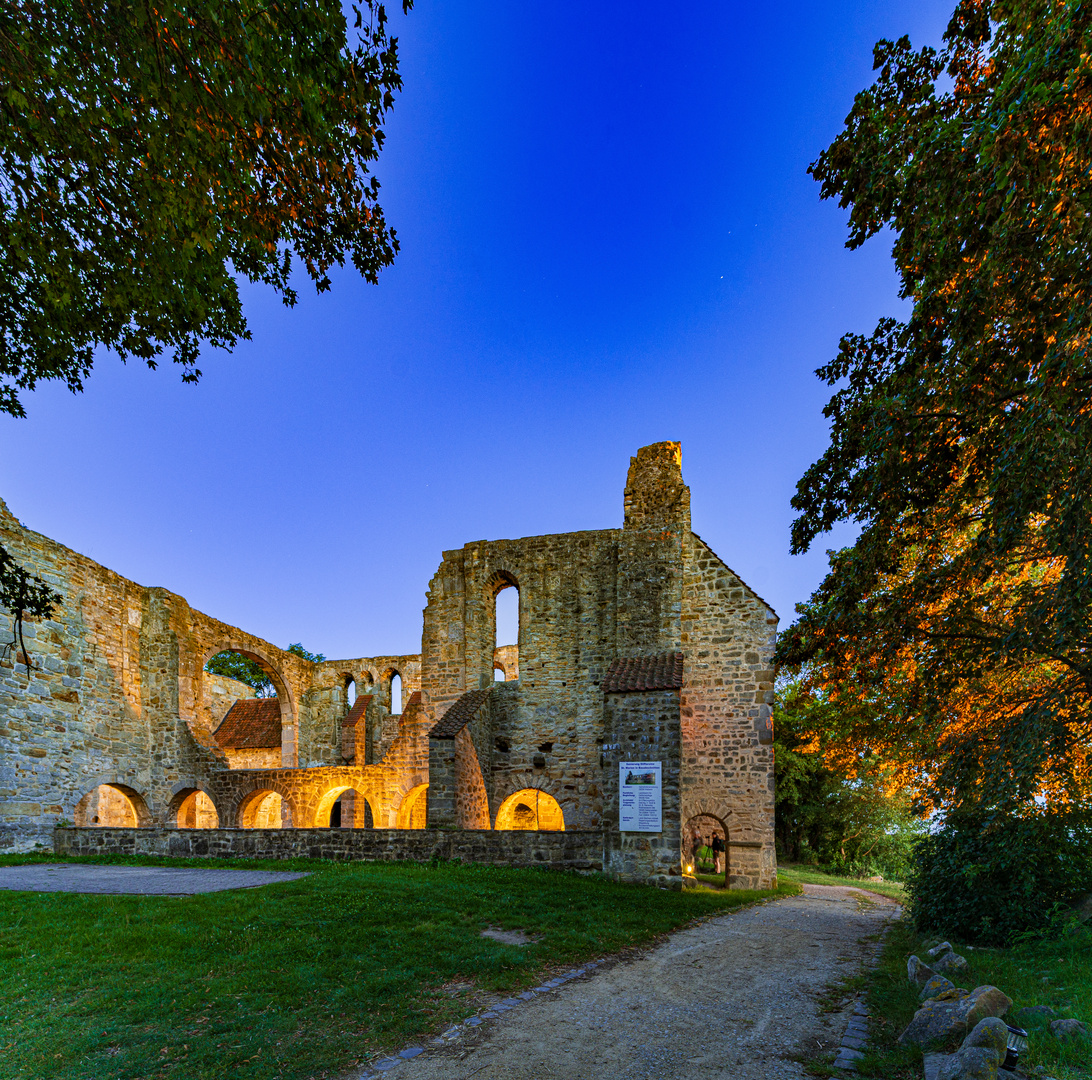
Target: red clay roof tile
(638, 673)
(251, 724)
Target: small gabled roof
(251, 724)
(629, 674)
(459, 715)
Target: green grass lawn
(800, 874)
(1055, 973)
(297, 980)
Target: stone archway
(285, 698)
(362, 809)
(192, 808)
(705, 827)
(112, 805)
(531, 809)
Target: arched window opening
(498, 672)
(413, 813)
(506, 612)
(350, 690)
(245, 710)
(111, 806)
(263, 810)
(396, 694)
(705, 850)
(531, 809)
(197, 811)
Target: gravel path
(134, 880)
(734, 997)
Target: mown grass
(296, 980)
(801, 873)
(1054, 972)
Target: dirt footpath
(735, 997)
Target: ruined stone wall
(220, 693)
(728, 638)
(117, 695)
(581, 851)
(644, 727)
(506, 658)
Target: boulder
(1035, 1014)
(1068, 1029)
(936, 986)
(939, 950)
(951, 963)
(917, 972)
(954, 1013)
(979, 1058)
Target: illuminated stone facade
(118, 706)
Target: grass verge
(297, 980)
(1057, 973)
(800, 874)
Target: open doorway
(705, 850)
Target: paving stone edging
(856, 1037)
(493, 1012)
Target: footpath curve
(733, 998)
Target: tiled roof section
(251, 724)
(459, 715)
(348, 725)
(414, 699)
(634, 673)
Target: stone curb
(494, 1012)
(855, 1039)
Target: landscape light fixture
(1018, 1041)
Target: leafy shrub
(989, 877)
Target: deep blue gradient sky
(609, 239)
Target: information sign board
(640, 796)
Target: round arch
(703, 825)
(192, 808)
(265, 807)
(326, 805)
(284, 694)
(112, 805)
(413, 809)
(531, 809)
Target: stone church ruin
(637, 646)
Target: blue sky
(609, 239)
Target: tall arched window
(396, 694)
(507, 617)
(350, 690)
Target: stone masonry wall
(728, 637)
(117, 695)
(582, 851)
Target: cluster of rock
(948, 1011)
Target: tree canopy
(961, 436)
(152, 155)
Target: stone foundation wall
(556, 850)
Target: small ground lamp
(1018, 1042)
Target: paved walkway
(734, 998)
(133, 880)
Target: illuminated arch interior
(531, 809)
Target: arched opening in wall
(506, 631)
(350, 691)
(499, 674)
(413, 813)
(246, 713)
(263, 809)
(705, 850)
(196, 811)
(112, 806)
(344, 808)
(531, 809)
(396, 693)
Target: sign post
(640, 796)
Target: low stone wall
(575, 850)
